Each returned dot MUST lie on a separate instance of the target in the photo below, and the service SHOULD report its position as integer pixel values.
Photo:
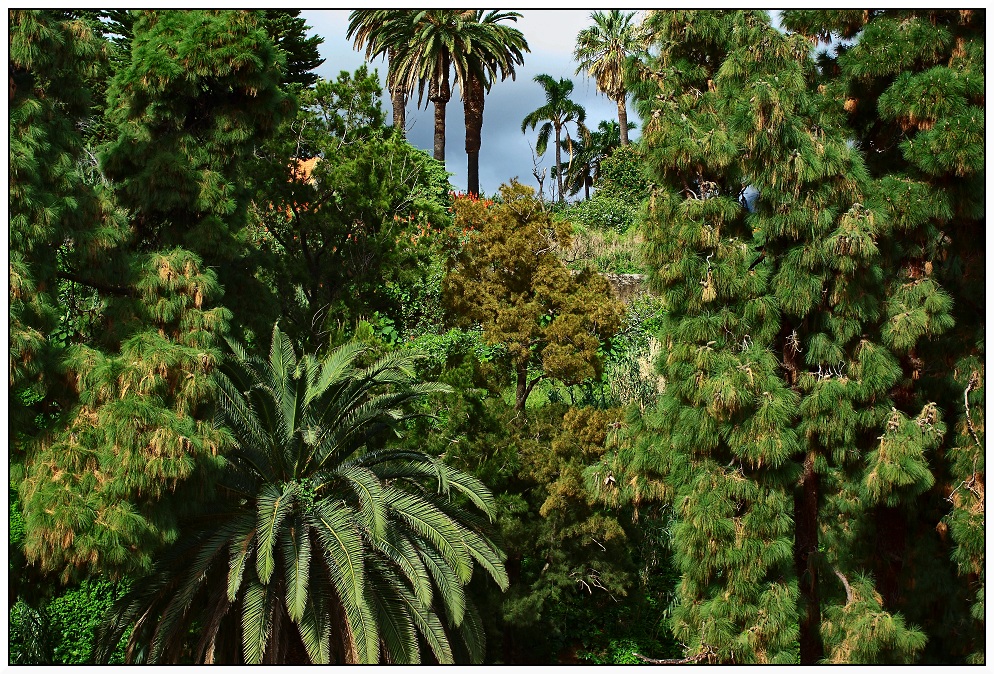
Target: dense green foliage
(339, 196)
(727, 408)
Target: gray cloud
(505, 152)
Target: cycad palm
(557, 112)
(323, 547)
(602, 50)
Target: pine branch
(97, 285)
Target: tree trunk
(439, 94)
(805, 547)
(586, 187)
(623, 120)
(521, 391)
(398, 98)
(513, 567)
(559, 166)
(473, 106)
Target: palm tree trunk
(559, 166)
(623, 120)
(398, 98)
(473, 106)
(439, 93)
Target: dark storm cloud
(505, 152)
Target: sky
(505, 153)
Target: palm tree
(429, 42)
(602, 50)
(557, 112)
(381, 31)
(496, 49)
(323, 545)
(579, 171)
(585, 160)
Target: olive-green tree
(508, 279)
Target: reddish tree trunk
(805, 547)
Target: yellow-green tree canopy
(509, 280)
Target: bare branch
(845, 582)
(974, 377)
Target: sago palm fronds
(327, 547)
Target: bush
(604, 251)
(604, 212)
(622, 175)
(63, 631)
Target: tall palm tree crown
(602, 50)
(429, 43)
(381, 32)
(323, 546)
(424, 46)
(557, 112)
(585, 160)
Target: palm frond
(400, 641)
(402, 552)
(256, 622)
(450, 586)
(295, 542)
(241, 550)
(365, 484)
(430, 627)
(436, 527)
(314, 627)
(473, 635)
(342, 547)
(272, 506)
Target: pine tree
(199, 93)
(134, 443)
(911, 87)
(302, 54)
(52, 60)
(784, 436)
